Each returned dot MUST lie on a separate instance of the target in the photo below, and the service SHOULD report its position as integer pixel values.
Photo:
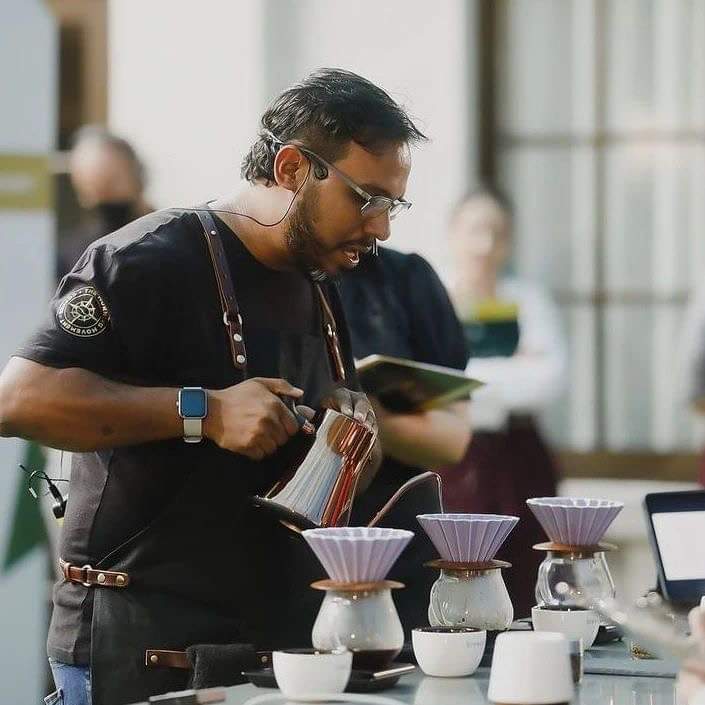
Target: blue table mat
(615, 660)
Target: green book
(405, 386)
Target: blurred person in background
(396, 305)
(517, 348)
(109, 181)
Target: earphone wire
(251, 217)
(276, 140)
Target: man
(109, 180)
(690, 687)
(177, 553)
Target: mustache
(368, 244)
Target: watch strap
(193, 430)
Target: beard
(301, 238)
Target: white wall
(186, 88)
(425, 60)
(28, 41)
(189, 81)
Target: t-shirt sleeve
(436, 333)
(104, 316)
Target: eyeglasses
(374, 205)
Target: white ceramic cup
(449, 652)
(574, 623)
(302, 672)
(531, 669)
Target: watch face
(192, 403)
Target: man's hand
(690, 687)
(249, 418)
(356, 405)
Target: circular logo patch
(83, 313)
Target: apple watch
(192, 404)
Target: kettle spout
(432, 485)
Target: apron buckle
(84, 571)
(88, 576)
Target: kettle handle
(304, 424)
(406, 487)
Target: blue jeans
(73, 684)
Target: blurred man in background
(109, 180)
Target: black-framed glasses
(373, 206)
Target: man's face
(327, 232)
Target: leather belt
(154, 658)
(160, 658)
(90, 577)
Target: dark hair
(491, 192)
(98, 133)
(325, 111)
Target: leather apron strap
(331, 331)
(231, 311)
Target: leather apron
(212, 568)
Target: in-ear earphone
(320, 171)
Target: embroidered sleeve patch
(83, 313)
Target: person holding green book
(396, 305)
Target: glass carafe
(585, 570)
(470, 597)
(361, 617)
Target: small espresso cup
(448, 652)
(304, 672)
(530, 669)
(574, 623)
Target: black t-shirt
(396, 305)
(141, 306)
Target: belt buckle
(84, 570)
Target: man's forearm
(74, 409)
(429, 439)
